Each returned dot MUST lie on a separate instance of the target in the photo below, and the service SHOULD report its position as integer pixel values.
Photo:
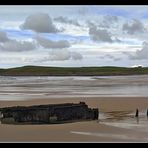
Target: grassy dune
(69, 71)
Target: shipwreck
(48, 114)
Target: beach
(116, 97)
(103, 130)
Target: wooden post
(137, 113)
(97, 115)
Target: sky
(73, 36)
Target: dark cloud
(46, 43)
(99, 35)
(41, 23)
(139, 54)
(135, 27)
(66, 20)
(3, 37)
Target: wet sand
(90, 131)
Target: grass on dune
(70, 71)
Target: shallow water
(128, 127)
(19, 88)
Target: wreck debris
(46, 114)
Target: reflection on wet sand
(121, 120)
(125, 119)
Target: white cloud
(139, 54)
(17, 46)
(134, 66)
(63, 54)
(14, 24)
(78, 40)
(76, 56)
(110, 56)
(11, 45)
(59, 55)
(55, 55)
(66, 20)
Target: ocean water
(21, 88)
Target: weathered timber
(47, 114)
(137, 113)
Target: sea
(30, 87)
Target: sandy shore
(91, 131)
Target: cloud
(12, 45)
(111, 18)
(64, 54)
(47, 43)
(3, 37)
(67, 20)
(99, 35)
(109, 56)
(76, 56)
(41, 23)
(61, 55)
(134, 27)
(134, 66)
(17, 46)
(139, 54)
(108, 20)
(117, 59)
(112, 57)
(54, 55)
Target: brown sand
(63, 132)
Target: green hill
(69, 71)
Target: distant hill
(70, 71)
